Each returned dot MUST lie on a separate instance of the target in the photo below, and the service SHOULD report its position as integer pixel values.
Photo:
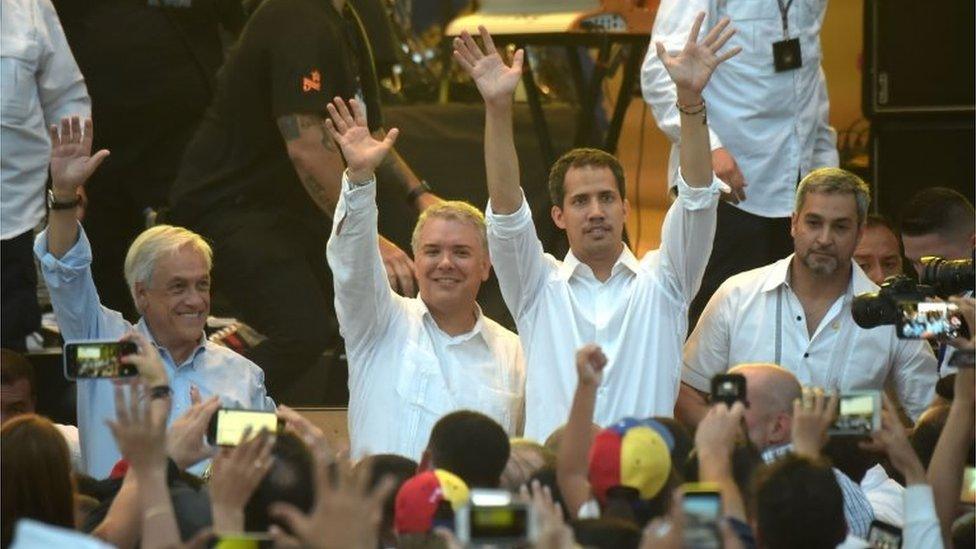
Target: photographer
(797, 312)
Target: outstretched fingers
(486, 39)
(696, 28)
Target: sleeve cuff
(700, 198)
(79, 256)
(508, 225)
(696, 380)
(358, 195)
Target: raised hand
(362, 151)
(146, 360)
(590, 362)
(691, 69)
(893, 441)
(812, 416)
(72, 162)
(140, 428)
(186, 441)
(495, 80)
(237, 472)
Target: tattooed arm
(315, 157)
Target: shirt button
(798, 317)
(806, 355)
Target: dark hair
(470, 445)
(578, 158)
(937, 210)
(36, 470)
(846, 455)
(798, 504)
(291, 480)
(383, 465)
(15, 366)
(609, 533)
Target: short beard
(821, 268)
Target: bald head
(769, 386)
(770, 390)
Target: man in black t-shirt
(262, 176)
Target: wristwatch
(415, 192)
(53, 204)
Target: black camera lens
(948, 276)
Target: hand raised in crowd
(553, 531)
(668, 532)
(719, 430)
(892, 439)
(693, 67)
(72, 162)
(237, 472)
(146, 359)
(590, 362)
(304, 429)
(346, 512)
(813, 414)
(140, 427)
(495, 80)
(362, 151)
(186, 442)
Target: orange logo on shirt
(312, 82)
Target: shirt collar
(626, 259)
(479, 324)
(779, 275)
(201, 345)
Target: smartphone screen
(228, 425)
(859, 414)
(930, 321)
(884, 536)
(98, 359)
(703, 510)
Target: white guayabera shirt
(405, 373)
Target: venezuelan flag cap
(419, 497)
(632, 452)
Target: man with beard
(796, 312)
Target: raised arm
(497, 82)
(72, 163)
(572, 466)
(690, 71)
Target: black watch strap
(53, 204)
(415, 192)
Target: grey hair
(453, 210)
(835, 180)
(156, 242)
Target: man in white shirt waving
(413, 360)
(636, 310)
(796, 312)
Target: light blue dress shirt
(213, 369)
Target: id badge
(786, 55)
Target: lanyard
(784, 10)
(779, 323)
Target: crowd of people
(594, 422)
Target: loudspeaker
(910, 155)
(918, 57)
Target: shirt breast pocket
(419, 383)
(500, 405)
(757, 24)
(19, 59)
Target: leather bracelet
(160, 391)
(691, 109)
(417, 191)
